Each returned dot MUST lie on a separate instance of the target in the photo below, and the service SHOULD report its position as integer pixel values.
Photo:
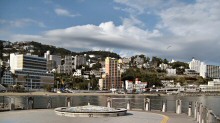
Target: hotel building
(195, 65)
(30, 71)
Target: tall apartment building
(195, 65)
(71, 62)
(113, 77)
(52, 61)
(210, 71)
(79, 60)
(30, 71)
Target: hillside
(36, 48)
(102, 54)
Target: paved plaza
(49, 116)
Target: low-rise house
(191, 72)
(171, 72)
(78, 73)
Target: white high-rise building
(203, 70)
(195, 65)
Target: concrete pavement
(48, 116)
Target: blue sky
(173, 29)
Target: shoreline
(102, 94)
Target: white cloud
(22, 22)
(64, 12)
(106, 36)
(190, 29)
(145, 6)
(198, 21)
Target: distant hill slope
(53, 50)
(40, 49)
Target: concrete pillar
(49, 103)
(209, 117)
(178, 106)
(164, 106)
(147, 104)
(109, 102)
(200, 112)
(195, 110)
(68, 101)
(203, 114)
(12, 104)
(190, 109)
(30, 103)
(128, 105)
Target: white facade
(78, 72)
(195, 65)
(30, 71)
(168, 83)
(213, 86)
(79, 60)
(171, 71)
(210, 71)
(163, 66)
(56, 58)
(101, 84)
(138, 86)
(52, 61)
(71, 62)
(203, 70)
(27, 63)
(129, 86)
(191, 72)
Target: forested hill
(39, 49)
(53, 49)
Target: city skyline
(168, 29)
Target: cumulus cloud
(64, 12)
(106, 35)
